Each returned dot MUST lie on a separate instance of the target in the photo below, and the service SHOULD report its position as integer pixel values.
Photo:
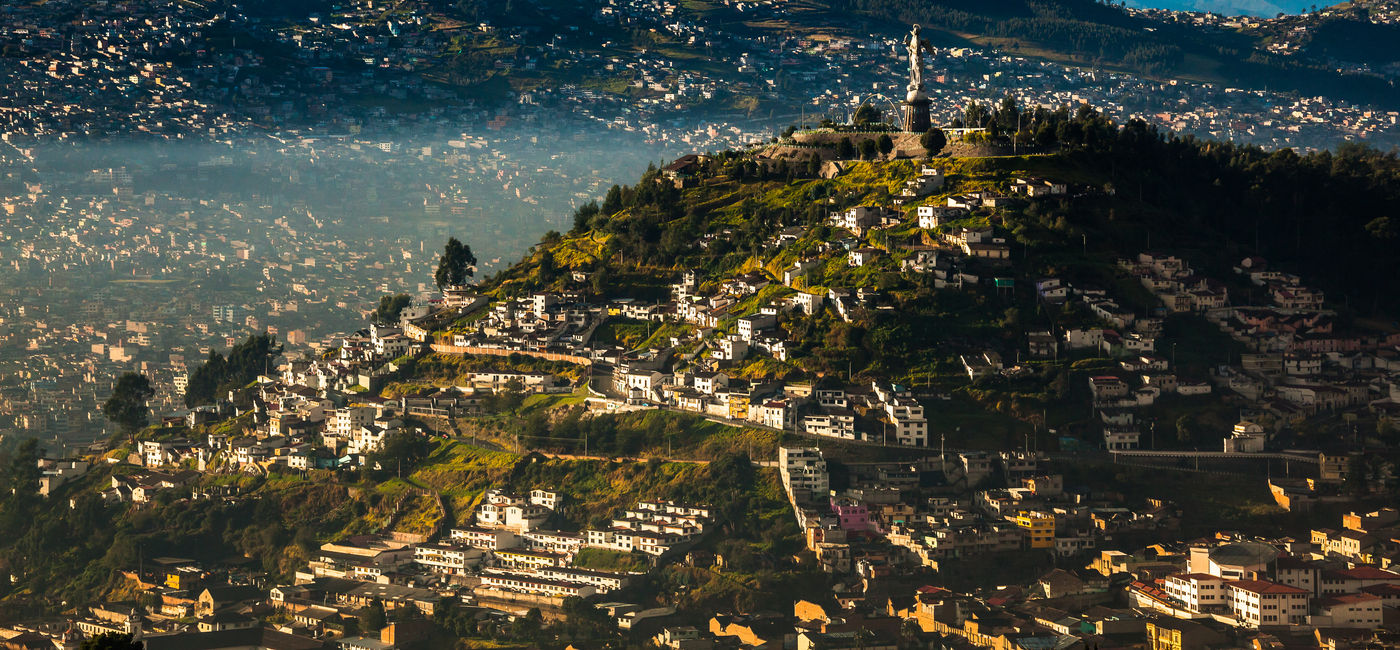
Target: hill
(752, 217)
(1323, 215)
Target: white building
(804, 473)
(1262, 603)
(1200, 592)
(450, 559)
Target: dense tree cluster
(1325, 215)
(390, 306)
(219, 373)
(399, 454)
(127, 408)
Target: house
(859, 219)
(1079, 339)
(731, 348)
(1035, 188)
(862, 256)
(804, 473)
(965, 201)
(777, 414)
(933, 216)
(1246, 438)
(832, 422)
(907, 416)
(226, 620)
(981, 365)
(528, 583)
(639, 384)
(710, 383)
(809, 303)
(489, 539)
(1051, 290)
(750, 326)
(799, 269)
(682, 171)
(1118, 438)
(927, 182)
(216, 598)
(1107, 388)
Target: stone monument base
(916, 114)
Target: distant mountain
(1090, 32)
(1242, 54)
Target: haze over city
(699, 324)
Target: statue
(916, 103)
(916, 48)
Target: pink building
(851, 515)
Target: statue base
(916, 113)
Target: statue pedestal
(916, 116)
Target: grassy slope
(594, 489)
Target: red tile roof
(1265, 587)
(1365, 573)
(1195, 576)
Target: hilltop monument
(916, 103)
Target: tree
(866, 114)
(1184, 425)
(612, 203)
(584, 215)
(19, 475)
(372, 619)
(456, 264)
(111, 641)
(220, 374)
(599, 280)
(1011, 318)
(885, 144)
(867, 149)
(1355, 479)
(845, 149)
(390, 306)
(126, 407)
(933, 141)
(401, 452)
(1381, 228)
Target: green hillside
(1323, 216)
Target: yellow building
(738, 406)
(1162, 638)
(1039, 528)
(181, 579)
